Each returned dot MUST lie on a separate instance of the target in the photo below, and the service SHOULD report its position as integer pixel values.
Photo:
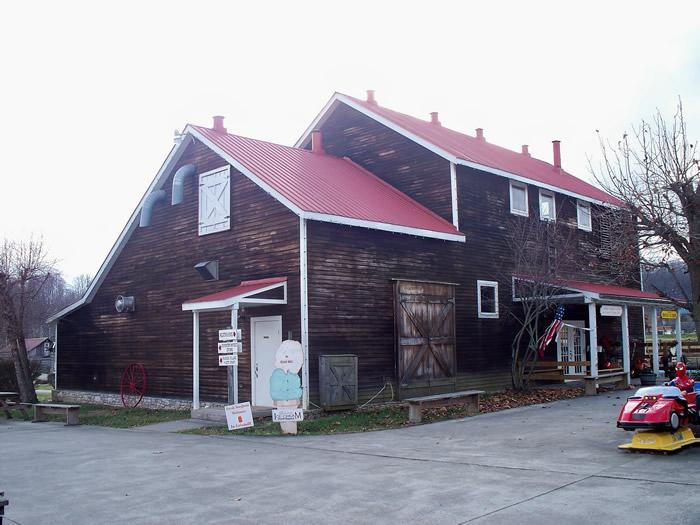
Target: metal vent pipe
(179, 182)
(147, 208)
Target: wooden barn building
(378, 235)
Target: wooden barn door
(425, 338)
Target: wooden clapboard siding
(411, 168)
(156, 267)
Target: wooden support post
(625, 343)
(593, 338)
(195, 360)
(654, 340)
(679, 337)
(232, 371)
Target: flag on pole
(552, 330)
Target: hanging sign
(228, 359)
(228, 347)
(669, 314)
(239, 416)
(609, 310)
(281, 415)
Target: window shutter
(215, 201)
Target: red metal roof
(324, 184)
(245, 288)
(610, 289)
(479, 151)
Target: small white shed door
(215, 201)
(266, 338)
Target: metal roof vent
(125, 303)
(208, 270)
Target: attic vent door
(425, 330)
(215, 201)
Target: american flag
(552, 330)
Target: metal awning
(245, 294)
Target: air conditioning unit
(338, 381)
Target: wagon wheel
(133, 385)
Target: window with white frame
(215, 201)
(547, 206)
(487, 299)
(518, 198)
(583, 215)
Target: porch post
(232, 371)
(679, 336)
(625, 343)
(593, 338)
(195, 360)
(654, 340)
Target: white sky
(90, 93)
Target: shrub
(8, 378)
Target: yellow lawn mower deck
(660, 441)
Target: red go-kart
(659, 408)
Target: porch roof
(241, 294)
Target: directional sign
(228, 359)
(669, 314)
(282, 415)
(609, 310)
(231, 334)
(239, 416)
(228, 347)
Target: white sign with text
(281, 415)
(609, 310)
(239, 416)
(228, 347)
(228, 359)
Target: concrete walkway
(549, 464)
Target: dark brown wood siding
(156, 267)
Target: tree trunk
(23, 371)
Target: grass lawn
(115, 417)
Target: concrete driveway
(546, 464)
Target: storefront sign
(609, 310)
(669, 314)
(228, 347)
(280, 415)
(239, 416)
(228, 359)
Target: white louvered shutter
(215, 201)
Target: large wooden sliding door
(425, 337)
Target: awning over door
(248, 293)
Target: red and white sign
(228, 359)
(228, 347)
(239, 416)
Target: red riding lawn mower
(662, 415)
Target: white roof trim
(172, 158)
(226, 304)
(339, 97)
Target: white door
(265, 337)
(571, 346)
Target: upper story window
(547, 206)
(583, 215)
(487, 299)
(518, 198)
(215, 201)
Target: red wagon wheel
(133, 385)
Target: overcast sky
(90, 94)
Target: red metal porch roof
(611, 290)
(324, 184)
(472, 149)
(245, 288)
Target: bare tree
(542, 251)
(24, 271)
(656, 174)
(80, 285)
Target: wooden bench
(41, 410)
(555, 371)
(607, 376)
(467, 398)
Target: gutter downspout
(179, 182)
(147, 208)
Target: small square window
(583, 215)
(547, 206)
(487, 299)
(518, 199)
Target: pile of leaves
(512, 399)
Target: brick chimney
(219, 124)
(434, 118)
(317, 141)
(370, 97)
(556, 147)
(526, 150)
(480, 134)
